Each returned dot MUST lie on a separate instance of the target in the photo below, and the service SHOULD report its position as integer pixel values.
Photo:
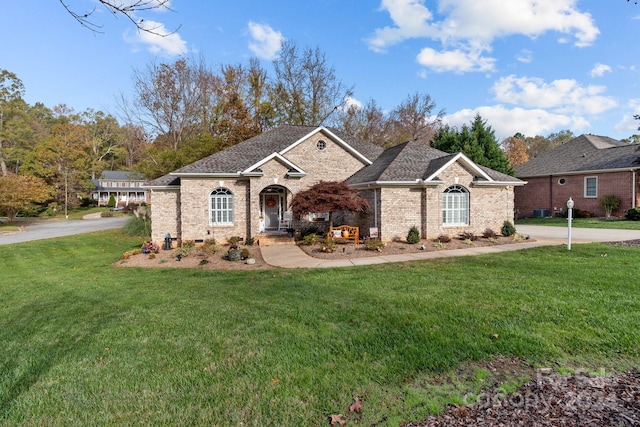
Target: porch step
(275, 239)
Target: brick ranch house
(585, 169)
(245, 190)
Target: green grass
(85, 343)
(614, 223)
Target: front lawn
(84, 343)
(614, 223)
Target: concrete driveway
(51, 229)
(578, 235)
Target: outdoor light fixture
(570, 205)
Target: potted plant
(234, 253)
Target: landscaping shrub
(112, 202)
(249, 241)
(508, 229)
(329, 246)
(633, 214)
(210, 246)
(312, 229)
(233, 240)
(609, 203)
(443, 238)
(310, 239)
(489, 234)
(108, 214)
(414, 235)
(467, 235)
(374, 245)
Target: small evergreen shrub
(633, 214)
(414, 235)
(244, 253)
(112, 202)
(210, 247)
(508, 229)
(233, 240)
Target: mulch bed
(578, 399)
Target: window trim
(586, 188)
(227, 211)
(461, 212)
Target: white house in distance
(125, 186)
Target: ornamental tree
(328, 197)
(19, 191)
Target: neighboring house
(585, 169)
(246, 189)
(126, 187)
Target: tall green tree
(477, 141)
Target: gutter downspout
(633, 189)
(551, 194)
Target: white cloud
(457, 61)
(526, 56)
(598, 70)
(507, 122)
(468, 27)
(352, 102)
(266, 41)
(628, 123)
(159, 40)
(562, 96)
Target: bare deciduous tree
(306, 91)
(127, 9)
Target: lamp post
(569, 217)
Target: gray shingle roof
(583, 153)
(247, 153)
(409, 162)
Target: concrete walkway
(291, 256)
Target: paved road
(50, 229)
(578, 235)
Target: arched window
(221, 207)
(455, 206)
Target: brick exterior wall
(333, 163)
(547, 193)
(399, 209)
(165, 214)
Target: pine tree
(478, 142)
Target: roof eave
(584, 172)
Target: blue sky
(530, 66)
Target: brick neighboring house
(585, 169)
(126, 187)
(246, 189)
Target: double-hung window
(591, 186)
(455, 206)
(221, 207)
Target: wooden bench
(347, 232)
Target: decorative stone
(250, 261)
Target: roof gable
(414, 163)
(254, 151)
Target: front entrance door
(271, 206)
